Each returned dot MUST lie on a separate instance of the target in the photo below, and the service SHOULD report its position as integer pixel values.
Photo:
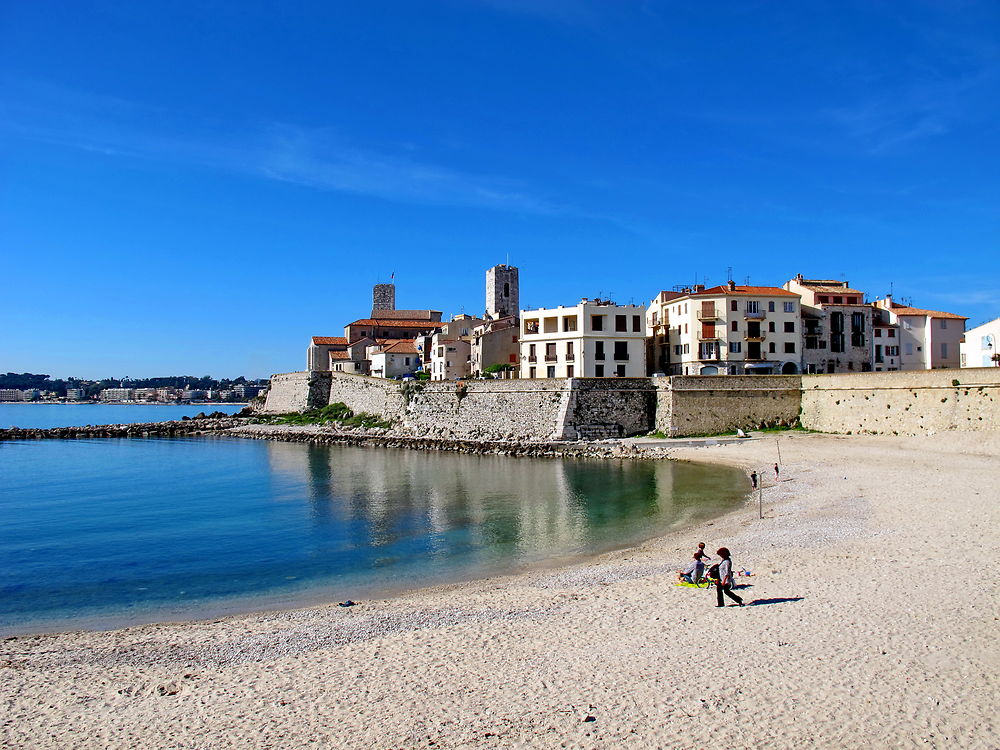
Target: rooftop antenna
(729, 273)
(746, 281)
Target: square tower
(501, 292)
(383, 298)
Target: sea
(101, 533)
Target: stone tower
(383, 298)
(501, 292)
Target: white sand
(887, 546)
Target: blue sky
(199, 187)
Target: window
(621, 323)
(789, 326)
(569, 371)
(735, 347)
(735, 326)
(753, 306)
(550, 352)
(823, 298)
(685, 328)
(570, 356)
(598, 371)
(770, 306)
(598, 350)
(597, 322)
(733, 306)
(687, 348)
(512, 358)
(407, 361)
(506, 289)
(838, 300)
(944, 348)
(944, 325)
(789, 347)
(771, 348)
(655, 318)
(789, 307)
(531, 353)
(621, 350)
(878, 333)
(620, 371)
(770, 326)
(550, 371)
(677, 349)
(637, 324)
(531, 373)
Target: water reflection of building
(443, 503)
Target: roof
(339, 355)
(739, 290)
(822, 288)
(407, 314)
(383, 323)
(329, 341)
(904, 310)
(401, 347)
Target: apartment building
(495, 342)
(658, 340)
(728, 329)
(594, 339)
(980, 346)
(837, 326)
(926, 339)
(450, 348)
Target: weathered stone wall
(297, 391)
(904, 403)
(609, 407)
(710, 404)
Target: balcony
(712, 356)
(708, 314)
(759, 337)
(621, 357)
(814, 331)
(532, 358)
(551, 358)
(703, 336)
(762, 357)
(570, 357)
(747, 315)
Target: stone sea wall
(187, 427)
(710, 404)
(297, 391)
(903, 403)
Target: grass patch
(337, 413)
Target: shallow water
(95, 533)
(79, 415)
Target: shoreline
(859, 626)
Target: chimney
(699, 287)
(732, 285)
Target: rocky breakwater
(187, 427)
(377, 437)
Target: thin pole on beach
(777, 444)
(760, 496)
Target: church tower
(502, 292)
(383, 298)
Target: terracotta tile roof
(750, 291)
(339, 355)
(904, 310)
(329, 341)
(381, 323)
(838, 290)
(401, 347)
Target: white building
(394, 360)
(11, 394)
(728, 330)
(75, 394)
(451, 348)
(927, 339)
(594, 339)
(117, 394)
(981, 347)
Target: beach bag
(713, 573)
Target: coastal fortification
(905, 403)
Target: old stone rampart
(903, 403)
(711, 404)
(186, 428)
(297, 391)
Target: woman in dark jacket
(725, 584)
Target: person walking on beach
(725, 584)
(777, 471)
(753, 479)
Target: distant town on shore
(174, 389)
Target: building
(450, 348)
(980, 346)
(394, 360)
(926, 339)
(502, 292)
(75, 394)
(117, 394)
(383, 298)
(728, 329)
(658, 340)
(594, 339)
(495, 345)
(837, 326)
(320, 347)
(11, 394)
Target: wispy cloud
(310, 157)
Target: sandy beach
(873, 623)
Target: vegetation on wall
(338, 414)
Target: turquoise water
(79, 415)
(95, 533)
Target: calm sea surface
(78, 415)
(95, 533)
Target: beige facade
(928, 339)
(594, 339)
(837, 326)
(495, 342)
(981, 346)
(450, 348)
(729, 330)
